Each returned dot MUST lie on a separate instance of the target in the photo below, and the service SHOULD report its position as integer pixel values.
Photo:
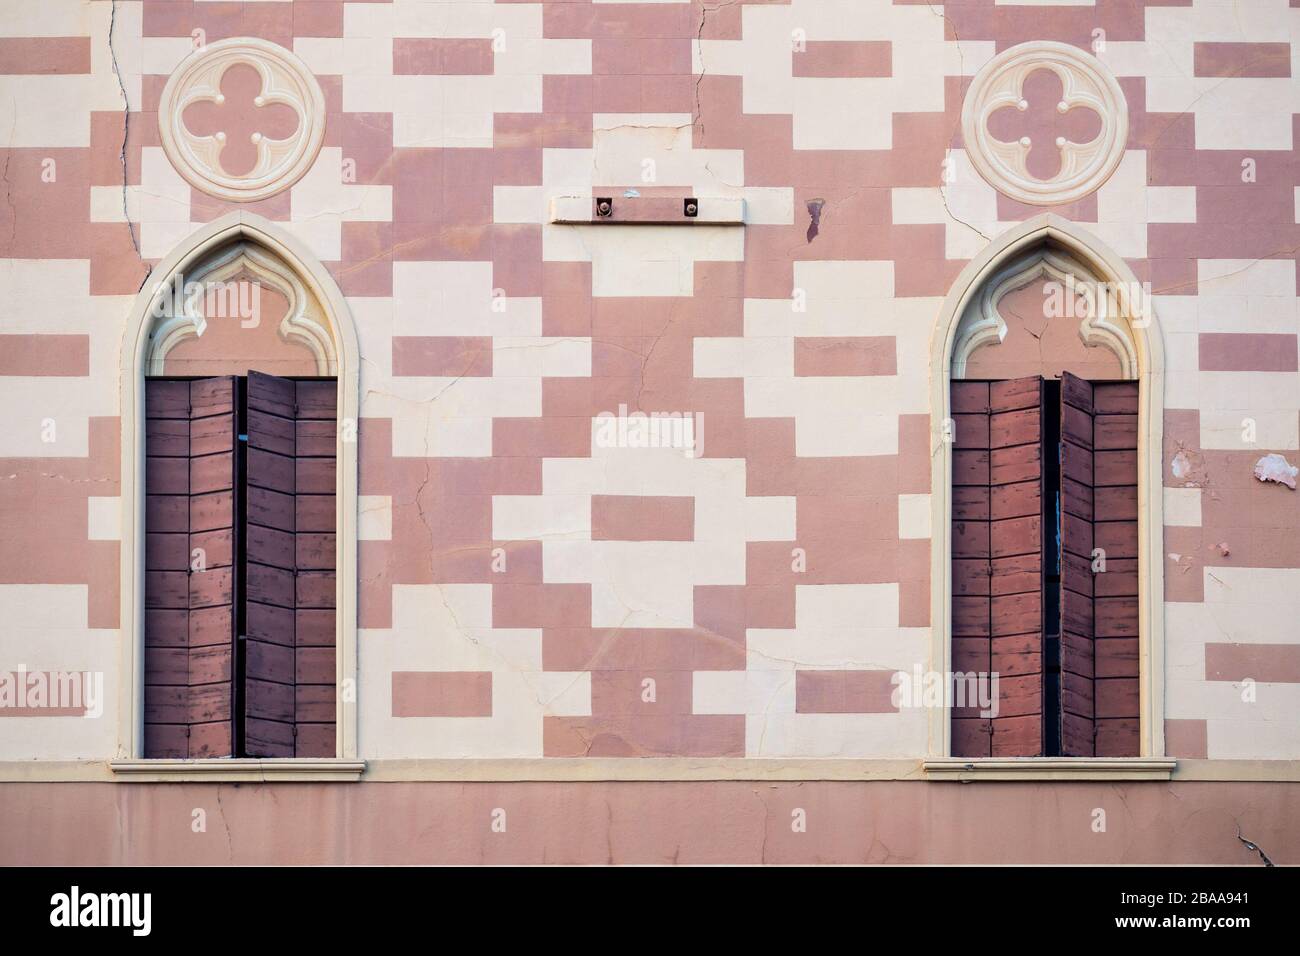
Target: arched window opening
(1045, 559)
(239, 478)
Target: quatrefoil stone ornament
(1087, 133)
(279, 130)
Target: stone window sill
(968, 769)
(243, 770)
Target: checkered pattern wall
(534, 583)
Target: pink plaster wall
(713, 822)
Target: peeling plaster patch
(815, 215)
(1276, 468)
(1188, 466)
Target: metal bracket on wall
(647, 210)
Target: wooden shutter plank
(269, 393)
(266, 622)
(167, 476)
(189, 624)
(970, 577)
(167, 436)
(215, 548)
(1020, 655)
(269, 546)
(971, 600)
(166, 552)
(167, 513)
(315, 482)
(211, 436)
(316, 476)
(315, 627)
(166, 399)
(1016, 563)
(269, 470)
(213, 587)
(315, 438)
(315, 552)
(275, 434)
(210, 473)
(164, 627)
(211, 625)
(274, 661)
(212, 512)
(270, 509)
(315, 513)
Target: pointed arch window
(239, 499)
(1047, 503)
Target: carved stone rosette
(285, 80)
(1085, 83)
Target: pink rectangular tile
(1186, 738)
(541, 605)
(1247, 352)
(442, 693)
(44, 55)
(666, 735)
(1263, 663)
(449, 355)
(1241, 59)
(844, 692)
(44, 354)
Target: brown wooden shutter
(1099, 610)
(1016, 564)
(997, 564)
(289, 648)
(1115, 471)
(190, 512)
(971, 646)
(314, 673)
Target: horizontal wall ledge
(577, 769)
(649, 769)
(238, 770)
(1049, 768)
(646, 210)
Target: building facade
(649, 431)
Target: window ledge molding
(967, 769)
(222, 770)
